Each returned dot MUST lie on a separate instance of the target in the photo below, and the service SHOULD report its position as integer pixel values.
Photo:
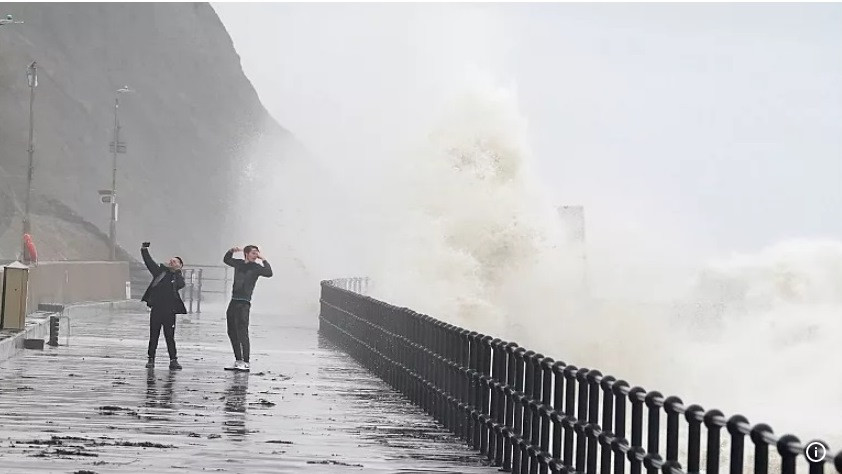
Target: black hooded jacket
(163, 290)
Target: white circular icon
(815, 451)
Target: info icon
(815, 451)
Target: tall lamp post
(32, 79)
(116, 147)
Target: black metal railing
(202, 283)
(192, 291)
(528, 413)
(214, 280)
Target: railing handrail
(502, 392)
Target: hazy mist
(703, 140)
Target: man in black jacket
(246, 273)
(162, 296)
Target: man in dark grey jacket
(162, 296)
(246, 273)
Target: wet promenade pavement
(93, 407)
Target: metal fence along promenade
(531, 414)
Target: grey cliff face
(188, 126)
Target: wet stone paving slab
(92, 407)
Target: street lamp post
(116, 147)
(32, 79)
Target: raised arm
(229, 259)
(151, 265)
(266, 271)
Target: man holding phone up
(162, 296)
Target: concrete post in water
(573, 219)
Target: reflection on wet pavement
(93, 406)
(235, 406)
(159, 394)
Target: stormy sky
(716, 125)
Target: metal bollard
(53, 331)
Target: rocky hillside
(188, 127)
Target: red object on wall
(30, 247)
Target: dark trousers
(162, 318)
(238, 328)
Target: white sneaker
(245, 367)
(237, 365)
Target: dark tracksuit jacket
(162, 296)
(245, 277)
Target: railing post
(788, 447)
(199, 300)
(636, 397)
(570, 414)
(671, 405)
(544, 411)
(652, 461)
(607, 386)
(526, 432)
(517, 402)
(465, 384)
(736, 427)
(485, 390)
(512, 382)
(621, 392)
(594, 379)
(225, 288)
(654, 401)
(558, 405)
(694, 415)
(714, 421)
(191, 272)
(534, 405)
(474, 397)
(581, 423)
(497, 401)
(758, 435)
